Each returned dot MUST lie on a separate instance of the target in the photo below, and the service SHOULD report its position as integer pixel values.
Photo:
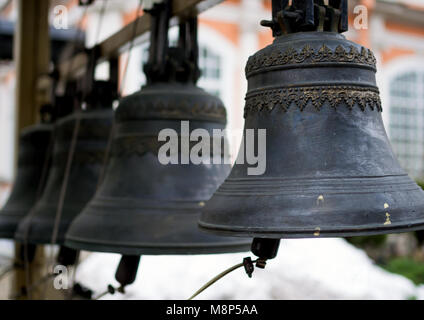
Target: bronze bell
(330, 170)
(143, 206)
(33, 165)
(87, 160)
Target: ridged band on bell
(86, 163)
(33, 148)
(143, 206)
(330, 169)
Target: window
(210, 65)
(406, 125)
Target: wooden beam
(32, 58)
(24, 47)
(116, 43)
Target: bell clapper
(126, 274)
(67, 256)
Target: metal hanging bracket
(98, 94)
(307, 15)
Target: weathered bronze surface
(330, 169)
(95, 124)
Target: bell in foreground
(144, 206)
(330, 169)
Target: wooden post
(32, 58)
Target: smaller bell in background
(92, 133)
(144, 206)
(33, 166)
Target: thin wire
(101, 295)
(106, 157)
(215, 279)
(63, 190)
(102, 13)
(65, 180)
(69, 161)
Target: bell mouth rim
(35, 128)
(83, 115)
(163, 248)
(316, 232)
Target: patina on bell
(143, 206)
(330, 169)
(92, 136)
(33, 165)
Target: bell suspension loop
(156, 66)
(307, 15)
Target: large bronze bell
(33, 165)
(330, 170)
(143, 206)
(91, 135)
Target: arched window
(406, 120)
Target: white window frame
(392, 70)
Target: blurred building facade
(230, 32)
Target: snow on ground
(303, 269)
